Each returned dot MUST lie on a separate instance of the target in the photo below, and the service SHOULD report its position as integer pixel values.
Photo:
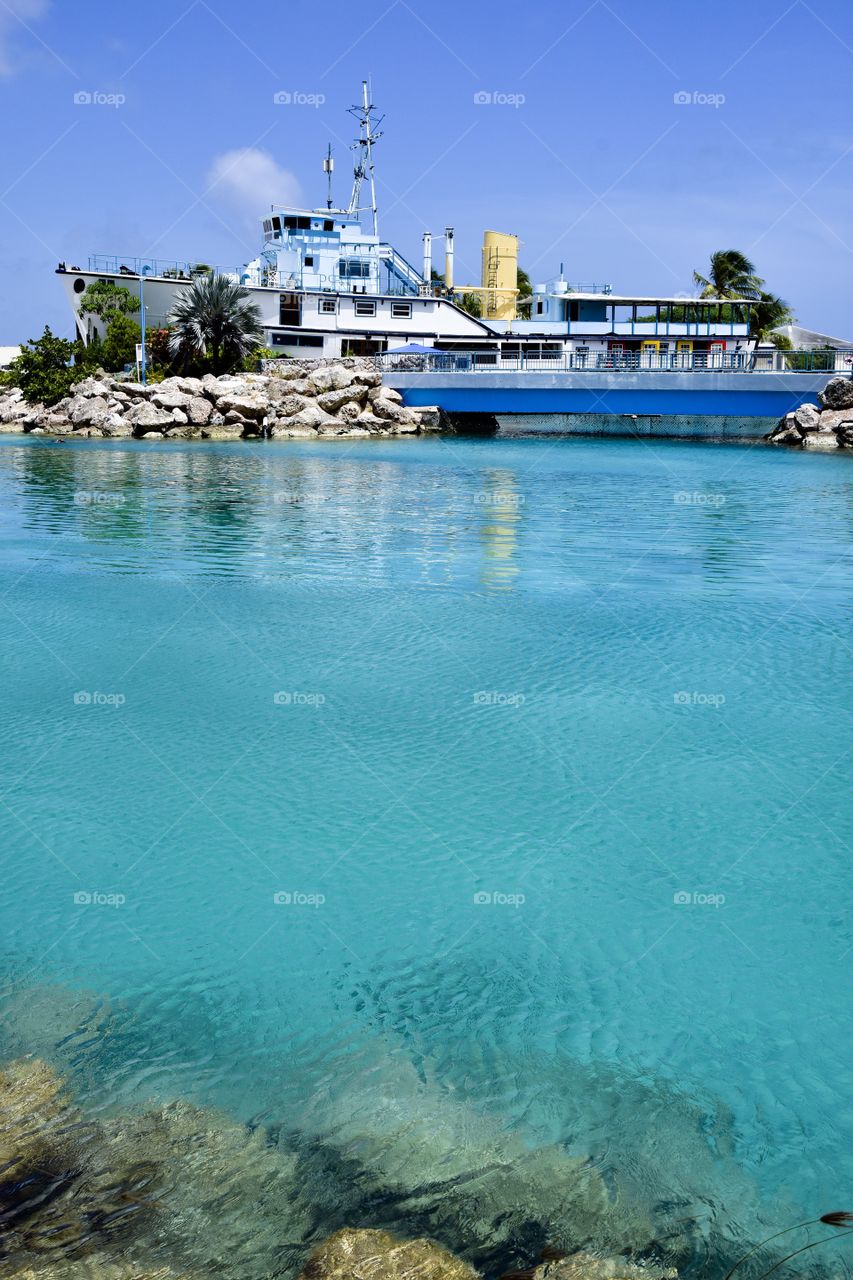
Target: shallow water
(400, 759)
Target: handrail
(601, 362)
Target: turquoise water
(387, 768)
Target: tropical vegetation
(106, 300)
(118, 348)
(215, 320)
(731, 274)
(44, 371)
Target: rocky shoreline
(826, 428)
(291, 400)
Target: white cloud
(250, 180)
(13, 15)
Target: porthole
(79, 285)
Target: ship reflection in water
(500, 505)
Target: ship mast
(363, 146)
(329, 169)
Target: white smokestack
(448, 257)
(428, 258)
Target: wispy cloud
(249, 179)
(15, 17)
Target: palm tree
(768, 313)
(215, 317)
(731, 275)
(524, 295)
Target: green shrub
(43, 370)
(119, 346)
(106, 300)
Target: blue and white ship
(327, 287)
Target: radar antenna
(363, 147)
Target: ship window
(295, 340)
(267, 225)
(290, 223)
(276, 224)
(401, 310)
(328, 225)
(309, 261)
(353, 269)
(365, 308)
(79, 286)
(328, 306)
(289, 309)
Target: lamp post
(143, 273)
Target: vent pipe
(448, 257)
(428, 260)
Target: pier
(735, 401)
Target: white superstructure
(325, 287)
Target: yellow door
(685, 354)
(649, 353)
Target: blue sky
(583, 150)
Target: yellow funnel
(500, 275)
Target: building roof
(629, 299)
(808, 339)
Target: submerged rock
(590, 1266)
(34, 1116)
(458, 1175)
(232, 1202)
(377, 1255)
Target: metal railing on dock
(631, 362)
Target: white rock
(807, 417)
(200, 410)
(310, 416)
(148, 415)
(332, 401)
(171, 399)
(384, 393)
(84, 410)
(332, 378)
(248, 406)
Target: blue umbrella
(414, 349)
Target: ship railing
(634, 362)
(580, 287)
(171, 268)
